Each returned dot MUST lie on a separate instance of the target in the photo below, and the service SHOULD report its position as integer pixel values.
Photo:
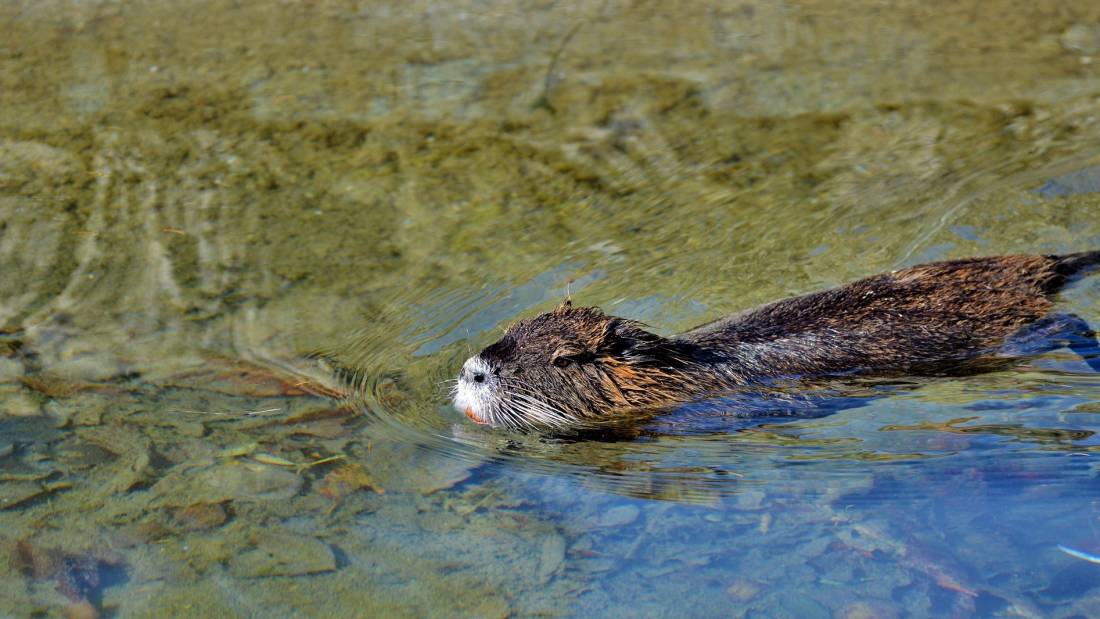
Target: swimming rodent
(576, 367)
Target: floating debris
(1079, 554)
(238, 450)
(266, 458)
(298, 467)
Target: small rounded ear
(626, 338)
(565, 306)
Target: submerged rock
(1082, 38)
(10, 370)
(284, 555)
(87, 367)
(618, 516)
(743, 590)
(82, 609)
(866, 610)
(80, 577)
(1072, 184)
(134, 456)
(229, 481)
(342, 481)
(14, 493)
(28, 430)
(201, 516)
(434, 471)
(81, 409)
(15, 402)
(551, 557)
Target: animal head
(567, 368)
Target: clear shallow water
(191, 206)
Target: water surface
(195, 201)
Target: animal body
(576, 366)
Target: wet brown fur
(585, 365)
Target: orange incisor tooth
(473, 416)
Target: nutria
(576, 367)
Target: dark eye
(561, 362)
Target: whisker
(540, 411)
(543, 399)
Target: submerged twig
(543, 102)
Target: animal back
(943, 311)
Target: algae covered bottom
(195, 200)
